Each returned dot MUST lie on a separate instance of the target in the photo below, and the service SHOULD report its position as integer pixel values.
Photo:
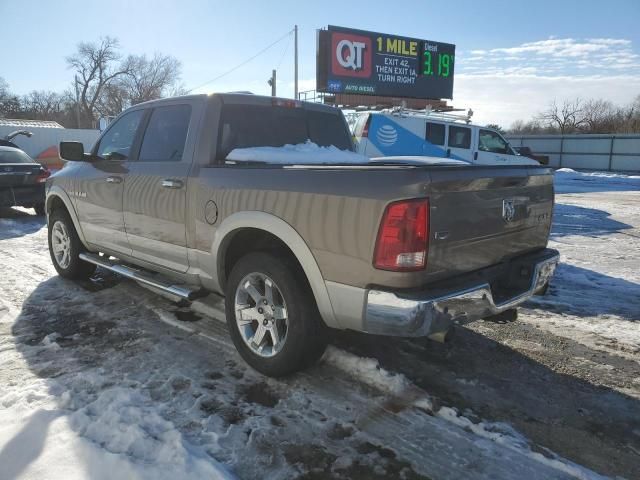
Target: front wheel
(65, 247)
(272, 317)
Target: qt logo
(351, 55)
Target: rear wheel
(272, 316)
(65, 247)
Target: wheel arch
(57, 197)
(285, 233)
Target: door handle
(114, 179)
(170, 183)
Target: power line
(243, 63)
(285, 51)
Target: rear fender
(287, 234)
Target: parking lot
(106, 365)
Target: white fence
(44, 138)
(592, 152)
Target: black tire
(76, 269)
(39, 208)
(306, 337)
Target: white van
(401, 132)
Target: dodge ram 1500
(224, 194)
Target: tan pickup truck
(265, 202)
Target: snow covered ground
(597, 286)
(103, 379)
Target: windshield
(247, 126)
(14, 156)
(490, 141)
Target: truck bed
(337, 210)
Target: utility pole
(295, 62)
(77, 101)
(272, 82)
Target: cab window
(435, 133)
(166, 134)
(490, 141)
(118, 139)
(459, 137)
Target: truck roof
(244, 98)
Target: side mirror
(73, 151)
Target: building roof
(19, 123)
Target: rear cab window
(459, 137)
(247, 126)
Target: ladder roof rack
(436, 114)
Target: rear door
(459, 142)
(99, 184)
(435, 135)
(155, 192)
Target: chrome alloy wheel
(261, 314)
(61, 244)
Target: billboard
(370, 63)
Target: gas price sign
(356, 61)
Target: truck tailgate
(482, 216)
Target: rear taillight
(365, 129)
(403, 237)
(43, 175)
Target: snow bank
(597, 174)
(568, 180)
(122, 421)
(43, 444)
(366, 370)
(302, 153)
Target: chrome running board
(143, 277)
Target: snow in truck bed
(302, 153)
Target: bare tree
(146, 79)
(532, 127)
(9, 103)
(150, 79)
(599, 116)
(96, 66)
(42, 105)
(567, 118)
(113, 100)
(496, 127)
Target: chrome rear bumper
(389, 313)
